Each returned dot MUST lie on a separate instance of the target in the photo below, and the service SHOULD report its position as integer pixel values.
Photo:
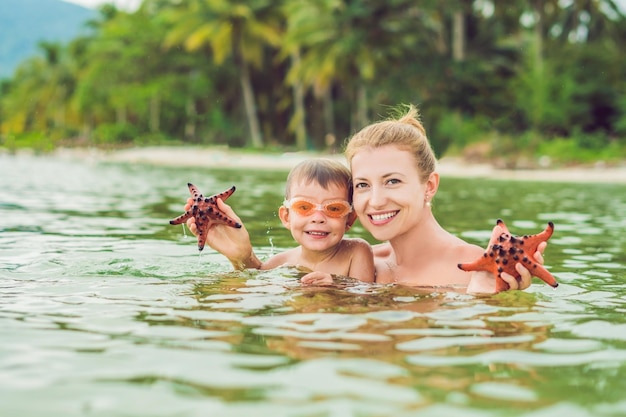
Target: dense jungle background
(529, 82)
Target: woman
(394, 179)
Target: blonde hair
(322, 171)
(406, 132)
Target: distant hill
(23, 23)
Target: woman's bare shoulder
(468, 251)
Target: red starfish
(507, 250)
(206, 213)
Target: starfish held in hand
(206, 213)
(506, 250)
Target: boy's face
(317, 231)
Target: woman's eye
(393, 181)
(360, 185)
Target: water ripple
(107, 310)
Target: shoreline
(222, 157)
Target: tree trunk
(539, 17)
(299, 117)
(190, 122)
(361, 107)
(539, 82)
(458, 36)
(120, 115)
(155, 109)
(59, 116)
(251, 114)
(191, 112)
(329, 118)
(87, 128)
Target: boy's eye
(303, 206)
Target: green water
(107, 310)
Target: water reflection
(106, 309)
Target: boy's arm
(277, 260)
(361, 258)
(231, 242)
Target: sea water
(108, 310)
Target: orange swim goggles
(304, 207)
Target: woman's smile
(383, 218)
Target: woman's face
(388, 195)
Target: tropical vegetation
(516, 79)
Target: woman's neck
(420, 242)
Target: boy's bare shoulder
(355, 243)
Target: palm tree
(236, 29)
(329, 51)
(587, 20)
(345, 43)
(125, 68)
(39, 93)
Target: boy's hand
(317, 278)
(230, 242)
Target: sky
(128, 5)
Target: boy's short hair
(323, 171)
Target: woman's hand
(482, 282)
(526, 277)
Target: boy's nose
(318, 216)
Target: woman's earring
(428, 201)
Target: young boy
(318, 211)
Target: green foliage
(452, 129)
(36, 141)
(257, 73)
(155, 139)
(570, 151)
(115, 134)
(620, 123)
(575, 91)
